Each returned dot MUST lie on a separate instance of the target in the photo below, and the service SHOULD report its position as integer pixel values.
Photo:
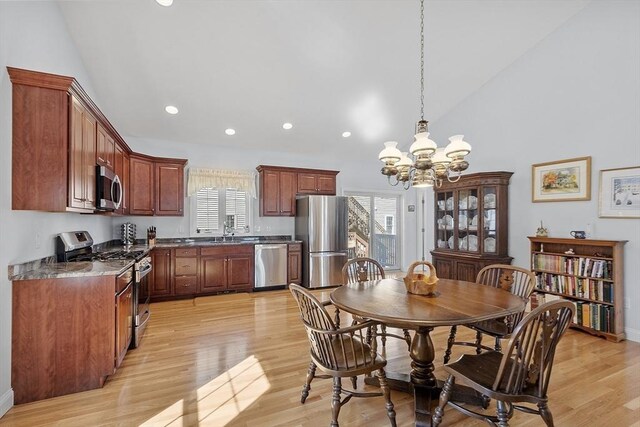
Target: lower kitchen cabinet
(63, 336)
(294, 270)
(124, 325)
(226, 268)
(161, 283)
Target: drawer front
(186, 285)
(186, 252)
(295, 247)
(186, 266)
(227, 250)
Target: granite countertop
(49, 268)
(59, 270)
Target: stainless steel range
(76, 246)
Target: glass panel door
(490, 220)
(467, 221)
(374, 228)
(444, 218)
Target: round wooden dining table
(455, 302)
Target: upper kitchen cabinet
(53, 142)
(317, 183)
(141, 198)
(169, 188)
(105, 148)
(60, 136)
(280, 185)
(156, 186)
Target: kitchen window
(216, 209)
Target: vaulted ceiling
(325, 66)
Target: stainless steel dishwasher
(271, 265)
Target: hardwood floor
(241, 360)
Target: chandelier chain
(422, 59)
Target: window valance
(199, 178)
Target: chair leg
(354, 382)
(383, 335)
(498, 346)
(503, 414)
(444, 398)
(407, 338)
(545, 413)
(450, 341)
(311, 373)
(336, 319)
(335, 401)
(478, 342)
(384, 387)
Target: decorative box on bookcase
(589, 273)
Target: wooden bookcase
(589, 273)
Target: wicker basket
(419, 283)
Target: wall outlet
(627, 303)
(181, 229)
(38, 241)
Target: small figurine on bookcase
(542, 231)
(570, 252)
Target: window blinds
(207, 218)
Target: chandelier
(430, 165)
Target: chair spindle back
(361, 270)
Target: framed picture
(562, 180)
(620, 193)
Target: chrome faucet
(226, 230)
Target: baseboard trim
(632, 334)
(6, 402)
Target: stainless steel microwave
(109, 189)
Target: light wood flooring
(240, 360)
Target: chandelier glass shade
(428, 165)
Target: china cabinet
(471, 224)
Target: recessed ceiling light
(346, 134)
(230, 131)
(287, 126)
(165, 3)
(171, 109)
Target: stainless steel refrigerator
(322, 225)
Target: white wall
(33, 35)
(577, 93)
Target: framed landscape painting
(620, 193)
(562, 180)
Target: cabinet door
(141, 189)
(270, 193)
(295, 265)
(307, 183)
(124, 323)
(160, 283)
(444, 267)
(105, 148)
(287, 196)
(76, 156)
(213, 276)
(466, 271)
(89, 165)
(169, 189)
(326, 184)
(240, 273)
(124, 178)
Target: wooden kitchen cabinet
(105, 148)
(226, 268)
(316, 183)
(160, 282)
(82, 152)
(63, 336)
(471, 225)
(185, 269)
(141, 186)
(124, 322)
(59, 136)
(279, 186)
(294, 267)
(169, 189)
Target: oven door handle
(143, 272)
